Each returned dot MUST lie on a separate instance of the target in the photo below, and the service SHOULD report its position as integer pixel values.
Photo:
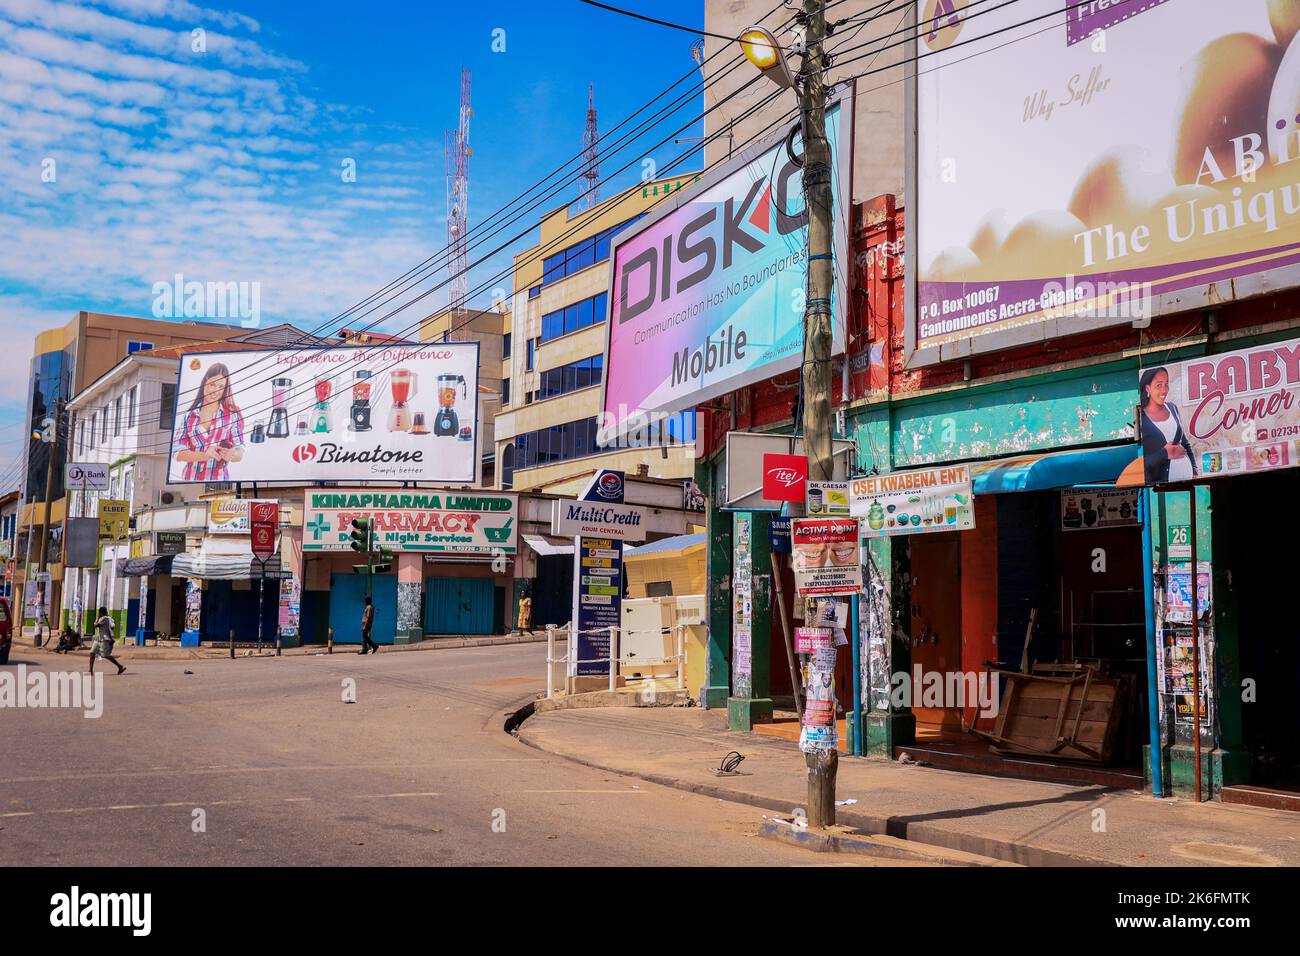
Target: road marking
(585, 791)
(386, 796)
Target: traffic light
(383, 561)
(363, 534)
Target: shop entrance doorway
(1260, 578)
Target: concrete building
(490, 329)
(9, 505)
(67, 359)
(553, 357)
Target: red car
(6, 630)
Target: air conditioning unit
(166, 498)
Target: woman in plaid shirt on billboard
(212, 434)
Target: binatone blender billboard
(349, 413)
(1084, 164)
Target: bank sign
(428, 522)
(708, 294)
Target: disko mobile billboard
(707, 294)
(1232, 413)
(352, 413)
(1113, 162)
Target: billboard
(352, 413)
(429, 522)
(1115, 161)
(1228, 414)
(114, 520)
(230, 515)
(707, 294)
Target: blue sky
(128, 157)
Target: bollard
(613, 658)
(277, 642)
(329, 640)
(550, 661)
(232, 643)
(681, 658)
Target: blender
(404, 384)
(323, 418)
(447, 423)
(279, 424)
(361, 401)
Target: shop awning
(145, 567)
(547, 544)
(1060, 469)
(226, 567)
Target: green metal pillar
(751, 621)
(717, 681)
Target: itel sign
(784, 477)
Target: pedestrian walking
(367, 622)
(102, 646)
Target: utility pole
(823, 765)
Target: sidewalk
(172, 652)
(1021, 821)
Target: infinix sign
(708, 294)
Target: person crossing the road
(368, 622)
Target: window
(505, 391)
(81, 437)
(569, 378)
(117, 417)
(133, 347)
(573, 317)
(167, 407)
(94, 423)
(103, 426)
(130, 418)
(505, 346)
(532, 354)
(578, 256)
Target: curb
(841, 839)
(222, 652)
(893, 826)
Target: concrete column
(410, 590)
(191, 634)
(717, 682)
(751, 621)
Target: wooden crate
(1073, 718)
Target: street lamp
(762, 50)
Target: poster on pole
(114, 520)
(347, 413)
(264, 520)
(827, 555)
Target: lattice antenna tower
(590, 153)
(458, 153)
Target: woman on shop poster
(212, 434)
(1166, 452)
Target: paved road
(417, 772)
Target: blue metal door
(347, 599)
(458, 605)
